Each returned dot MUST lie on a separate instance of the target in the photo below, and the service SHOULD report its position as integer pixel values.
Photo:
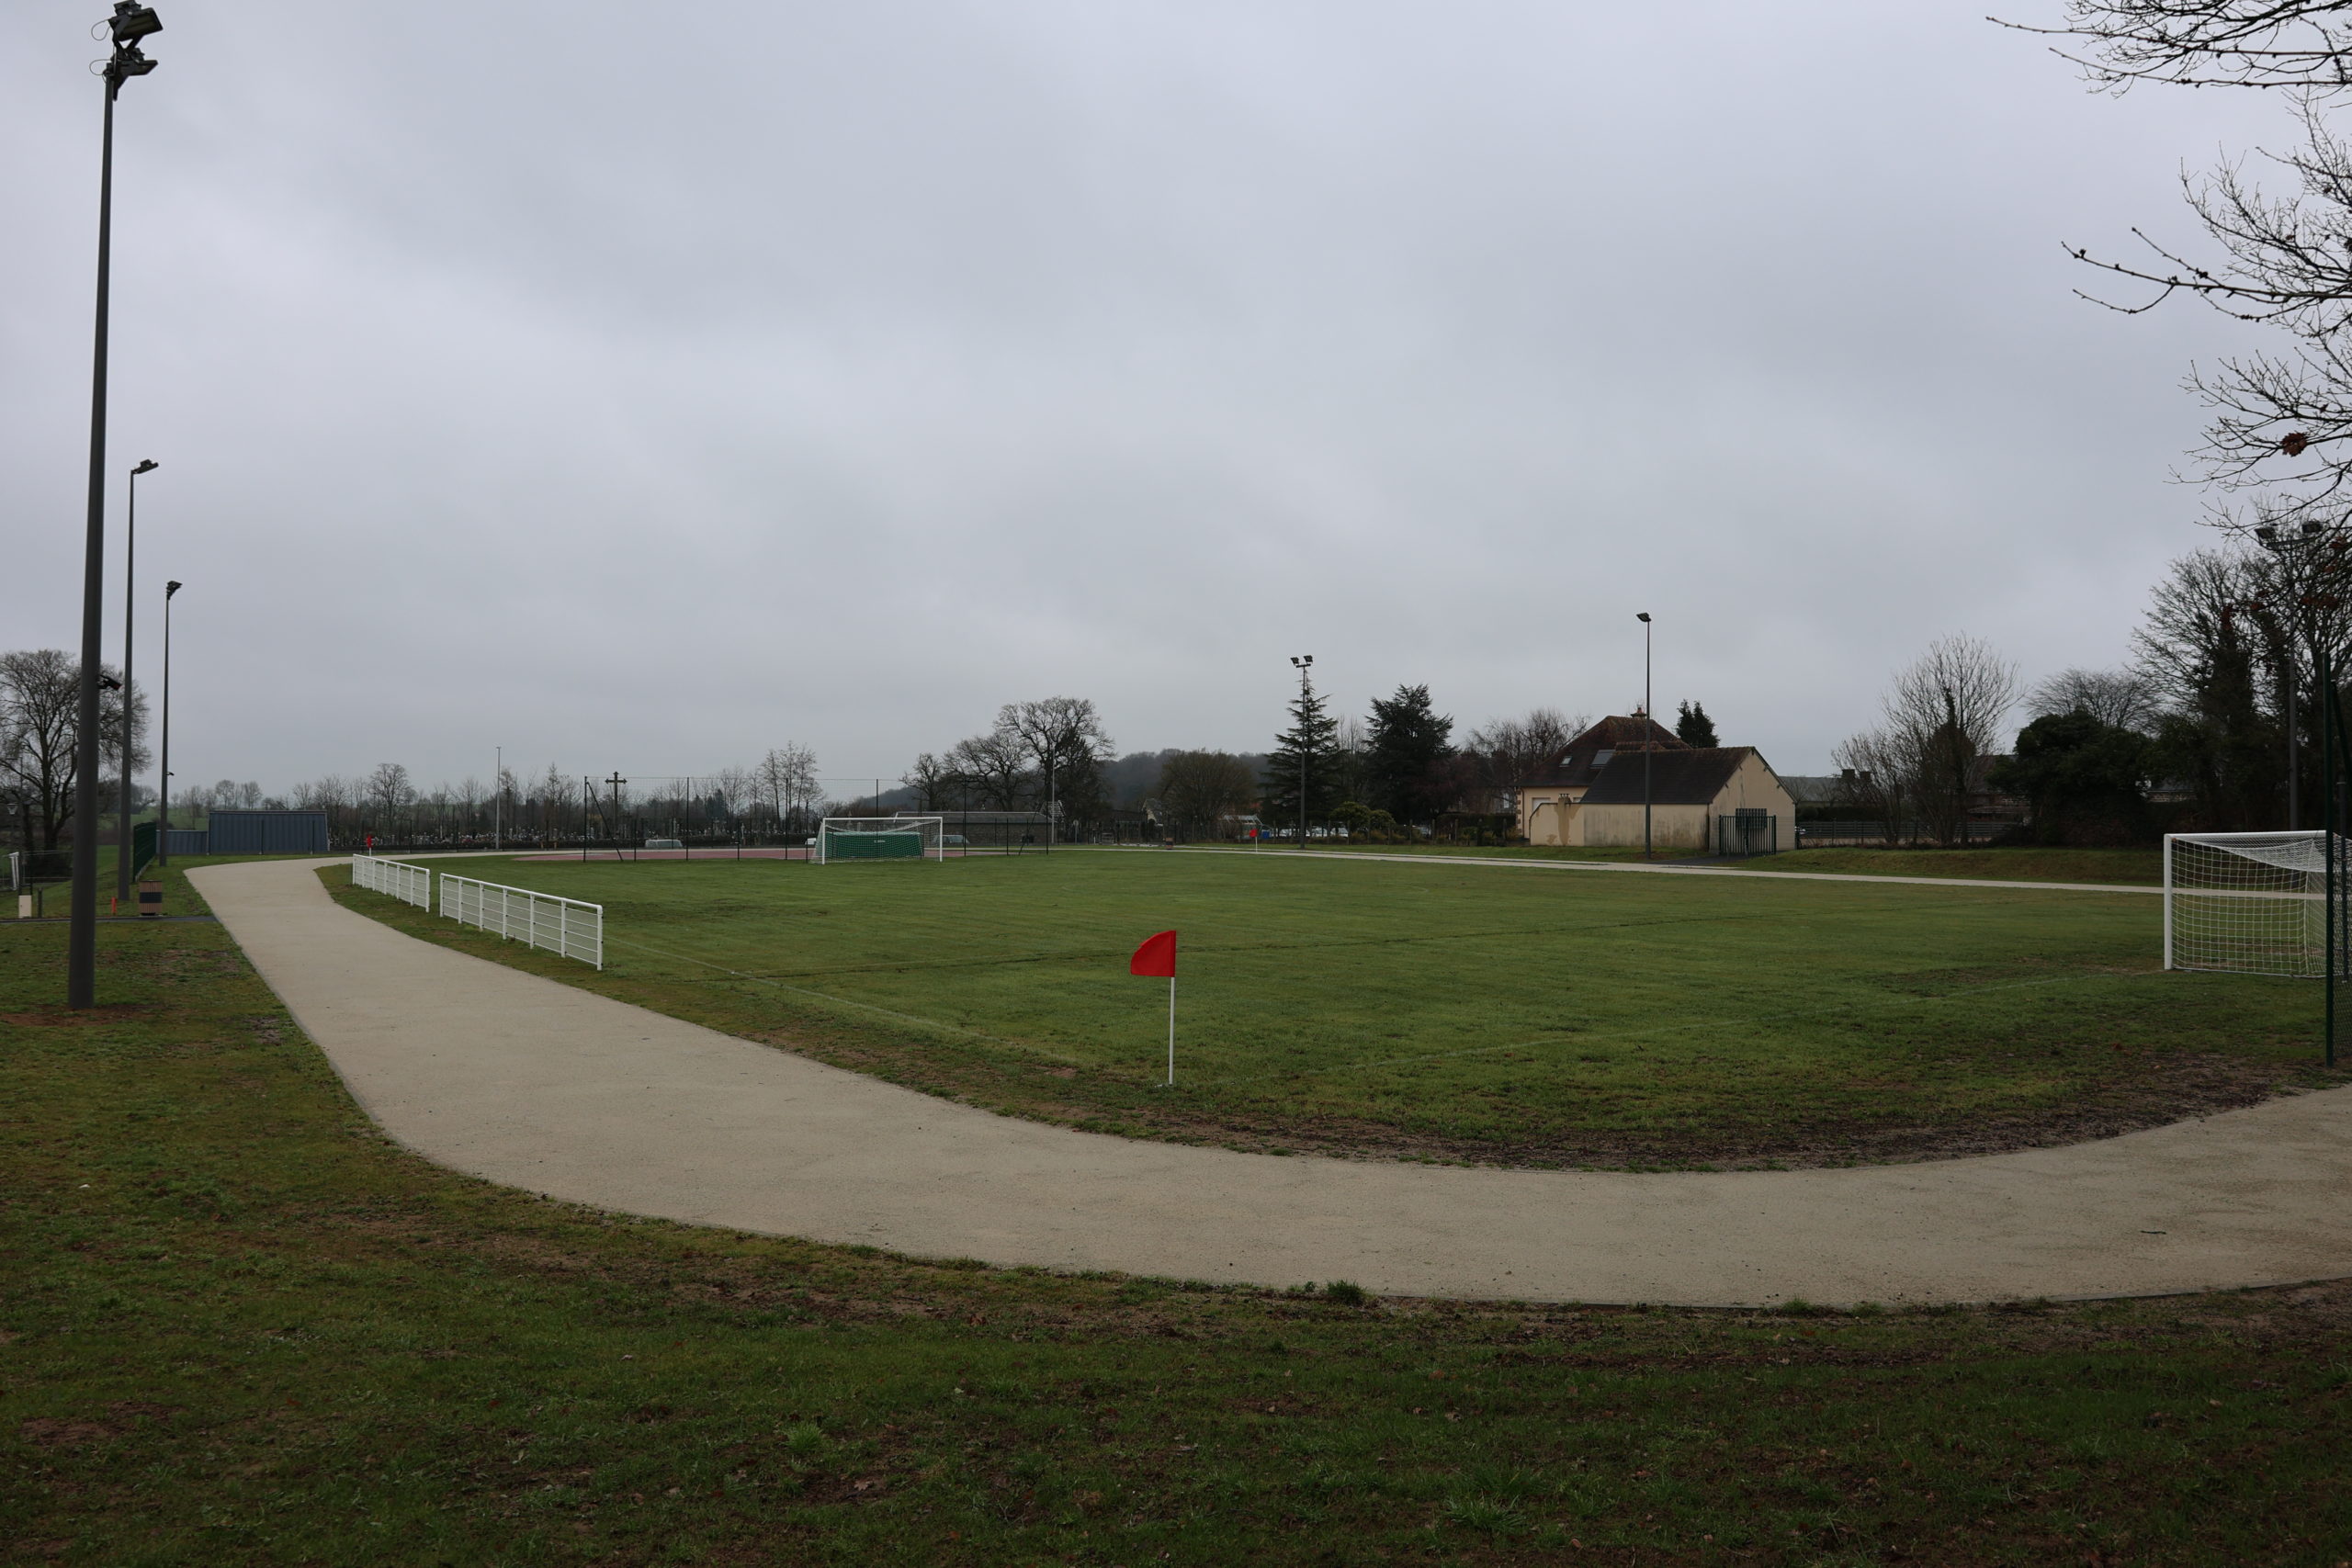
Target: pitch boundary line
(1655, 870)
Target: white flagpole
(1171, 1032)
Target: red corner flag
(1156, 958)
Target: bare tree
(1944, 713)
(2281, 425)
(1198, 790)
(995, 766)
(40, 697)
(1874, 778)
(390, 792)
(2121, 697)
(1066, 745)
(1511, 751)
(786, 779)
(2206, 43)
(933, 781)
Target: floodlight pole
(163, 763)
(1643, 616)
(129, 23)
(2310, 536)
(498, 800)
(2327, 828)
(1304, 662)
(129, 618)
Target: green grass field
(1535, 1015)
(239, 1326)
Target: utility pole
(498, 801)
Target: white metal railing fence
(542, 919)
(409, 883)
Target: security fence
(398, 879)
(540, 920)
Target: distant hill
(1136, 775)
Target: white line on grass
(1530, 862)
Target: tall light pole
(498, 802)
(2292, 550)
(130, 617)
(129, 23)
(1302, 663)
(1643, 616)
(163, 764)
(2301, 548)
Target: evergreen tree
(1313, 735)
(2087, 779)
(1405, 748)
(1693, 728)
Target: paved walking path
(541, 1086)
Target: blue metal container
(267, 833)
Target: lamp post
(2290, 550)
(1302, 663)
(130, 617)
(1643, 616)
(129, 23)
(163, 764)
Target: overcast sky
(641, 388)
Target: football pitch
(1446, 1011)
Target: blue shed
(267, 833)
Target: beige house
(1702, 800)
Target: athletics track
(541, 1086)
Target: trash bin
(150, 899)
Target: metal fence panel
(397, 879)
(541, 920)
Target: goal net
(2254, 903)
(880, 837)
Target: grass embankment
(1454, 1013)
(239, 1326)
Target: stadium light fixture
(129, 620)
(130, 24)
(163, 763)
(1647, 746)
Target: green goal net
(879, 838)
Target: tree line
(2211, 724)
(39, 736)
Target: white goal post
(881, 838)
(2255, 903)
